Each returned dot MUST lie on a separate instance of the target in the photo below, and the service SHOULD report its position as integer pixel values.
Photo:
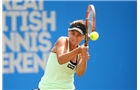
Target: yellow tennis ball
(94, 36)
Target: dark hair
(79, 24)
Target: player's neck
(73, 47)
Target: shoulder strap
(68, 48)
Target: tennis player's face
(75, 37)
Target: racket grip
(86, 43)
(86, 40)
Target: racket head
(90, 22)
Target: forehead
(75, 31)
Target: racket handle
(86, 39)
(86, 43)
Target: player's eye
(72, 33)
(79, 35)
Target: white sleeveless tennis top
(56, 76)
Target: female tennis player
(66, 58)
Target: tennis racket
(90, 22)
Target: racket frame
(87, 35)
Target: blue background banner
(30, 29)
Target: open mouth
(74, 41)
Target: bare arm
(82, 64)
(62, 55)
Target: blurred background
(30, 29)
